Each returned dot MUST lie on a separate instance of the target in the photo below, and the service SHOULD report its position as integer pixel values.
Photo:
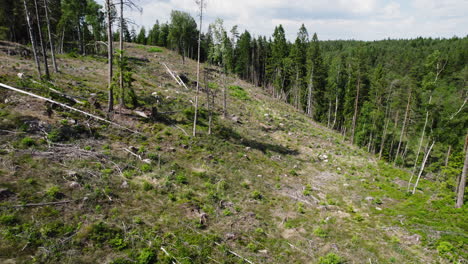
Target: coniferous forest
(404, 101)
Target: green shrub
(293, 173)
(102, 233)
(252, 247)
(239, 93)
(129, 174)
(446, 250)
(181, 178)
(155, 49)
(147, 256)
(300, 208)
(378, 201)
(137, 220)
(8, 219)
(257, 195)
(320, 232)
(260, 231)
(53, 192)
(147, 186)
(307, 190)
(359, 218)
(146, 168)
(331, 258)
(117, 243)
(27, 142)
(227, 212)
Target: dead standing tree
(41, 40)
(405, 120)
(210, 99)
(49, 31)
(201, 4)
(110, 106)
(462, 182)
(31, 35)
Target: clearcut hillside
(268, 185)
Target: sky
(330, 19)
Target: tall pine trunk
(33, 40)
(422, 167)
(384, 137)
(420, 145)
(49, 31)
(194, 132)
(462, 182)
(225, 113)
(447, 157)
(356, 104)
(122, 92)
(310, 91)
(403, 127)
(41, 40)
(110, 106)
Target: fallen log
(69, 97)
(68, 107)
(43, 204)
(175, 76)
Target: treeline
(381, 95)
(404, 100)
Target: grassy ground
(268, 186)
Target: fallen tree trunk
(68, 107)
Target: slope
(268, 186)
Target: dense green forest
(400, 99)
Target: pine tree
(316, 103)
(141, 38)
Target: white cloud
(331, 19)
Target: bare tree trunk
(356, 104)
(33, 40)
(110, 106)
(404, 125)
(225, 113)
(63, 40)
(41, 40)
(336, 111)
(209, 105)
(387, 112)
(122, 92)
(462, 184)
(310, 91)
(198, 72)
(52, 51)
(384, 137)
(297, 91)
(370, 142)
(448, 156)
(80, 39)
(329, 112)
(420, 146)
(422, 166)
(405, 152)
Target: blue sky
(331, 19)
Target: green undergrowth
(256, 188)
